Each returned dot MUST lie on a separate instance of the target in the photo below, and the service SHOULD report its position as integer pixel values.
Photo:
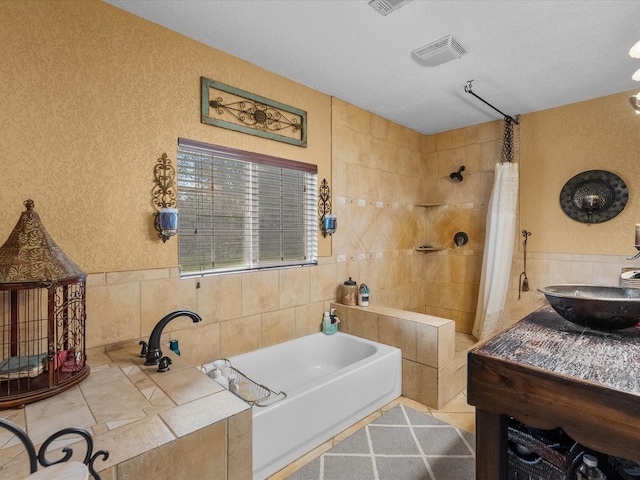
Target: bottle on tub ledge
(330, 322)
(349, 292)
(363, 295)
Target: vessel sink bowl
(600, 308)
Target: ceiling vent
(385, 7)
(440, 51)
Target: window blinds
(243, 211)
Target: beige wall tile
(109, 473)
(202, 412)
(113, 313)
(199, 343)
(278, 326)
(323, 282)
(260, 292)
(161, 297)
(363, 323)
(570, 272)
(96, 279)
(398, 333)
(446, 344)
(446, 384)
(219, 297)
(61, 411)
(112, 399)
(309, 319)
(240, 446)
(203, 453)
(464, 320)
(240, 336)
(419, 382)
(460, 378)
(185, 386)
(427, 345)
(351, 116)
(428, 143)
(137, 275)
(379, 127)
(294, 286)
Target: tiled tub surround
(431, 372)
(154, 425)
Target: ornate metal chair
(39, 457)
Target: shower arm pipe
(467, 88)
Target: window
(243, 211)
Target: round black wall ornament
(594, 196)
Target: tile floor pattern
(358, 440)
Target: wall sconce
(163, 199)
(328, 222)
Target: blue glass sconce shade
(166, 223)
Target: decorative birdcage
(42, 315)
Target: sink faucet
(153, 352)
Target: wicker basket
(543, 462)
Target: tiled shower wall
(381, 174)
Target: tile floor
(457, 412)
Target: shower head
(457, 176)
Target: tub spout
(154, 354)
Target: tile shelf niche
(429, 249)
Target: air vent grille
(385, 7)
(439, 52)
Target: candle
(591, 201)
(637, 235)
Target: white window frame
(290, 233)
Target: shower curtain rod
(467, 88)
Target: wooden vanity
(547, 372)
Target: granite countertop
(129, 408)
(545, 340)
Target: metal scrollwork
(256, 115)
(229, 107)
(89, 458)
(324, 203)
(163, 194)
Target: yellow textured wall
(92, 97)
(557, 144)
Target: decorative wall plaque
(229, 107)
(594, 196)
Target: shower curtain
(498, 245)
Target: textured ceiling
(523, 56)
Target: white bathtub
(331, 382)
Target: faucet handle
(145, 348)
(164, 363)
